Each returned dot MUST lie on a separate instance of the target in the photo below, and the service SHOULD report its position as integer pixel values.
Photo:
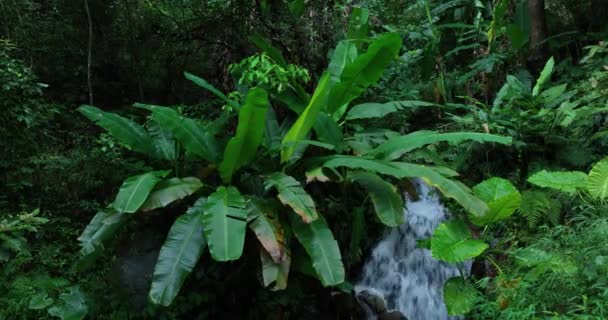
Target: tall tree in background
(538, 34)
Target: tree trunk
(89, 51)
(538, 34)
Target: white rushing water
(408, 278)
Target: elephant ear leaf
(597, 184)
(459, 296)
(170, 190)
(135, 190)
(502, 199)
(452, 242)
(566, 181)
(178, 256)
(387, 201)
(242, 147)
(293, 195)
(224, 223)
(71, 305)
(318, 241)
(128, 133)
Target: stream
(408, 278)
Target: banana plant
(276, 156)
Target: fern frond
(538, 207)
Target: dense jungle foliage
(238, 159)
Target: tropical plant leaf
(135, 190)
(265, 46)
(358, 24)
(452, 242)
(344, 54)
(71, 305)
(502, 199)
(293, 195)
(101, 228)
(537, 207)
(319, 243)
(566, 181)
(395, 147)
(178, 256)
(459, 296)
(267, 228)
(128, 133)
(544, 76)
(364, 71)
(388, 204)
(275, 272)
(307, 119)
(164, 144)
(40, 301)
(597, 183)
(193, 137)
(224, 222)
(450, 188)
(327, 130)
(242, 147)
(379, 110)
(170, 190)
(206, 85)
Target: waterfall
(408, 278)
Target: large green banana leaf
(171, 190)
(319, 243)
(327, 130)
(242, 147)
(206, 85)
(452, 242)
(395, 147)
(358, 24)
(178, 256)
(129, 133)
(135, 190)
(224, 223)
(101, 228)
(364, 71)
(275, 272)
(450, 188)
(385, 197)
(307, 119)
(379, 110)
(163, 142)
(544, 76)
(293, 195)
(344, 54)
(196, 139)
(267, 228)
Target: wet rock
(374, 302)
(392, 315)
